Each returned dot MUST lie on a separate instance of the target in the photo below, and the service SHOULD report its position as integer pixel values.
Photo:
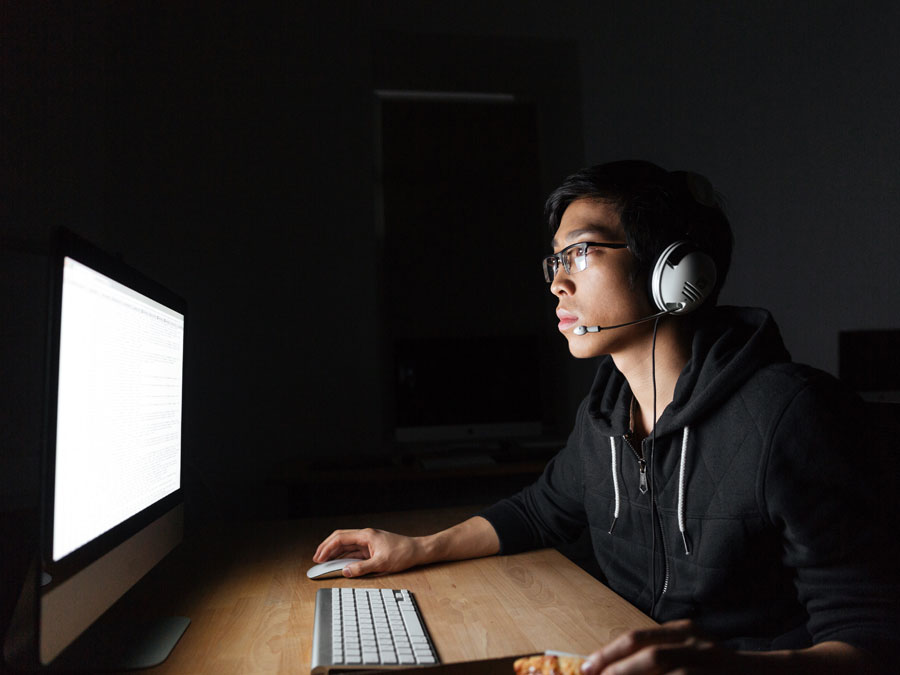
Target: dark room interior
(260, 160)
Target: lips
(566, 319)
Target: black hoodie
(754, 521)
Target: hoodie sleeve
(815, 492)
(550, 511)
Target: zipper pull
(642, 464)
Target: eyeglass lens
(573, 258)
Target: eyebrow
(599, 228)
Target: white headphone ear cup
(682, 278)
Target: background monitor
(112, 486)
(462, 296)
(867, 362)
(458, 388)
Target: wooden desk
(251, 604)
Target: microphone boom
(673, 308)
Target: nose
(562, 283)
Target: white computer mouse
(331, 568)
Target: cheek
(634, 292)
(616, 291)
(640, 297)
(614, 299)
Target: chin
(581, 348)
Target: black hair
(656, 208)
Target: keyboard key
(413, 627)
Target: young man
(721, 483)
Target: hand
(678, 647)
(382, 552)
(674, 647)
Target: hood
(730, 345)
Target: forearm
(677, 646)
(827, 657)
(473, 538)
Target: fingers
(325, 548)
(344, 544)
(657, 650)
(633, 641)
(662, 659)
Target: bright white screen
(118, 428)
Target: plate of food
(549, 663)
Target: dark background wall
(221, 147)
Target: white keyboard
(369, 628)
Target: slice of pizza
(548, 664)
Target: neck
(673, 350)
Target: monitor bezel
(68, 244)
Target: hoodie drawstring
(681, 525)
(615, 475)
(682, 528)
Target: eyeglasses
(574, 258)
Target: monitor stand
(122, 645)
(112, 643)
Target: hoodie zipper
(662, 539)
(642, 464)
(665, 550)
(644, 486)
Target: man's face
(602, 293)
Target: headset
(683, 277)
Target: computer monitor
(112, 485)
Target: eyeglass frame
(562, 257)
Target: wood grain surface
(251, 605)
